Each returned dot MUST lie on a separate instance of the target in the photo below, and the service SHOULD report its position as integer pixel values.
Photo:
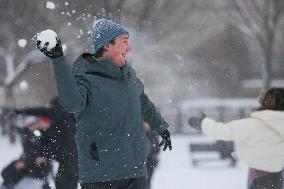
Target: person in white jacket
(259, 139)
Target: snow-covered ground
(8, 152)
(174, 171)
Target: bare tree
(165, 31)
(259, 19)
(21, 21)
(16, 57)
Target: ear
(106, 46)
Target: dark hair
(100, 52)
(272, 99)
(54, 102)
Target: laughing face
(118, 50)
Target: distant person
(59, 142)
(108, 100)
(32, 168)
(259, 139)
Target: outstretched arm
(234, 130)
(41, 111)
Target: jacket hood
(86, 64)
(274, 119)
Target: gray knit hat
(104, 31)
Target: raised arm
(71, 92)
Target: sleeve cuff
(207, 122)
(58, 59)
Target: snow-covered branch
(249, 22)
(257, 7)
(32, 57)
(260, 19)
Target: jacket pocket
(93, 151)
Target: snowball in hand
(47, 36)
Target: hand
(55, 52)
(166, 140)
(19, 165)
(195, 122)
(40, 161)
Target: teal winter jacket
(109, 103)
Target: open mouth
(124, 54)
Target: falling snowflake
(50, 5)
(22, 42)
(23, 85)
(64, 47)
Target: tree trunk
(265, 73)
(8, 100)
(7, 116)
(266, 66)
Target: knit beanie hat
(104, 31)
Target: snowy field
(174, 171)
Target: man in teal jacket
(109, 104)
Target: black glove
(166, 140)
(55, 52)
(195, 122)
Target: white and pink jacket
(259, 139)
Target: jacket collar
(104, 67)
